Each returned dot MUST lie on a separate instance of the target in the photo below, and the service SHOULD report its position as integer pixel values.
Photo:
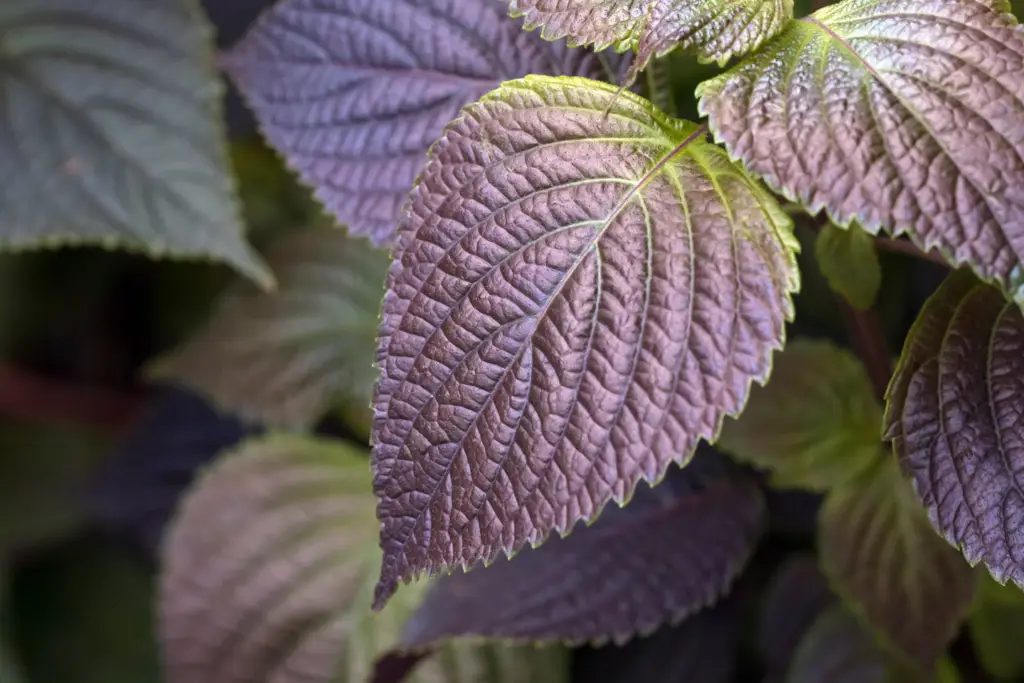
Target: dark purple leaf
(837, 650)
(353, 92)
(797, 595)
(584, 289)
(673, 550)
(958, 432)
(702, 649)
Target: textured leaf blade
(516, 395)
(269, 571)
(814, 425)
(901, 114)
(848, 260)
(715, 31)
(353, 93)
(112, 132)
(959, 435)
(887, 563)
(685, 539)
(838, 650)
(283, 358)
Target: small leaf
(887, 563)
(283, 357)
(876, 111)
(814, 425)
(715, 31)
(269, 570)
(353, 92)
(111, 134)
(674, 550)
(837, 650)
(848, 260)
(997, 630)
(959, 427)
(579, 298)
(797, 595)
(702, 648)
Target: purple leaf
(584, 289)
(353, 92)
(797, 595)
(674, 550)
(838, 650)
(957, 429)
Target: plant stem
(31, 398)
(868, 340)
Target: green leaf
(885, 561)
(111, 133)
(837, 650)
(715, 31)
(814, 425)
(269, 572)
(847, 258)
(899, 114)
(284, 357)
(10, 668)
(997, 630)
(584, 288)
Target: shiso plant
(643, 317)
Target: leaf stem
(867, 337)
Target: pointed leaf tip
(542, 346)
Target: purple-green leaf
(955, 410)
(675, 549)
(583, 290)
(883, 558)
(714, 31)
(353, 92)
(901, 114)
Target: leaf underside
(882, 557)
(577, 299)
(268, 575)
(714, 31)
(814, 425)
(901, 114)
(282, 358)
(353, 92)
(954, 418)
(675, 549)
(111, 132)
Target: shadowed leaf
(111, 132)
(797, 595)
(673, 550)
(901, 114)
(837, 650)
(353, 92)
(887, 563)
(959, 426)
(283, 357)
(847, 259)
(10, 669)
(702, 648)
(269, 571)
(715, 31)
(579, 298)
(814, 425)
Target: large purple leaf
(584, 289)
(956, 407)
(675, 549)
(900, 114)
(353, 92)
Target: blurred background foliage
(92, 460)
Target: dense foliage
(559, 345)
